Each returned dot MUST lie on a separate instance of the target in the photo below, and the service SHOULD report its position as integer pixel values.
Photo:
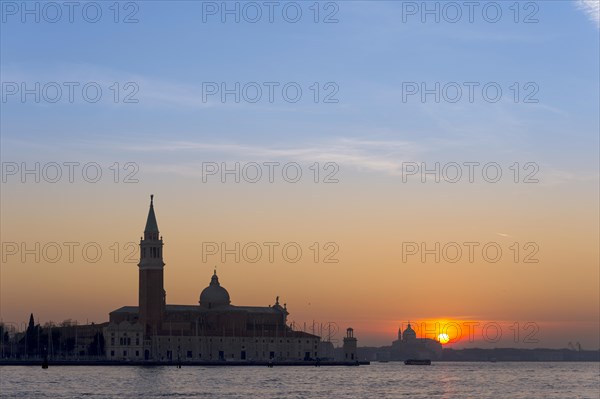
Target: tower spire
(151, 229)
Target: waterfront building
(212, 330)
(408, 346)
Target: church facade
(212, 330)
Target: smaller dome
(214, 295)
(409, 333)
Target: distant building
(212, 330)
(350, 346)
(408, 346)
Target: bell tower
(350, 344)
(152, 295)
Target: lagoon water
(379, 380)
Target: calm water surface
(380, 380)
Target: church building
(212, 330)
(408, 346)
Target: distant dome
(409, 333)
(214, 295)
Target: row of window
(124, 341)
(154, 252)
(189, 355)
(243, 340)
(243, 347)
(137, 353)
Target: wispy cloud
(552, 176)
(381, 156)
(387, 157)
(591, 8)
(149, 90)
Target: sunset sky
(369, 210)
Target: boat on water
(418, 362)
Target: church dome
(214, 295)
(409, 333)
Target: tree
(4, 338)
(31, 337)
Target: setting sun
(443, 338)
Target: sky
(370, 162)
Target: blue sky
(367, 54)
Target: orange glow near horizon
(369, 288)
